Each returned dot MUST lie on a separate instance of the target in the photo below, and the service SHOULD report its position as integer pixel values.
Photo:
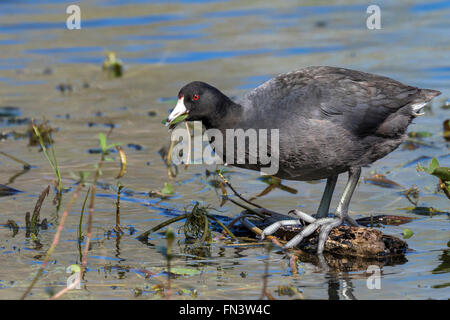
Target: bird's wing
(359, 101)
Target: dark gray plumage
(330, 120)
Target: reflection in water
(328, 262)
(347, 287)
(333, 286)
(197, 252)
(335, 290)
(118, 237)
(444, 267)
(15, 176)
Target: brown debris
(344, 241)
(350, 241)
(384, 219)
(381, 180)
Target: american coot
(330, 120)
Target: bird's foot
(282, 223)
(325, 224)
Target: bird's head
(199, 101)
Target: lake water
(234, 45)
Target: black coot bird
(330, 120)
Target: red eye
(195, 97)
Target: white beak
(179, 109)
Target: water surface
(234, 45)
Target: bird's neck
(226, 116)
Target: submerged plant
(196, 226)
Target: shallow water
(234, 45)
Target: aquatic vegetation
(54, 242)
(419, 134)
(98, 171)
(412, 194)
(407, 233)
(40, 134)
(112, 65)
(43, 135)
(389, 220)
(35, 218)
(164, 193)
(442, 173)
(447, 129)
(444, 266)
(13, 225)
(175, 121)
(274, 183)
(80, 236)
(424, 211)
(166, 155)
(290, 291)
(220, 174)
(117, 228)
(196, 226)
(34, 223)
(381, 181)
(446, 104)
(26, 165)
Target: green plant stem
(26, 165)
(236, 193)
(205, 229)
(143, 236)
(223, 226)
(53, 163)
(80, 235)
